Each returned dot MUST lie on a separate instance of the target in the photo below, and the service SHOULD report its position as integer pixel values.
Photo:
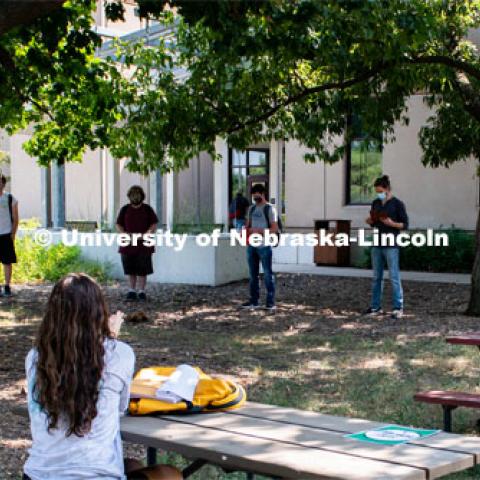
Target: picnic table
(448, 399)
(467, 339)
(285, 443)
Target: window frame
(348, 166)
(247, 166)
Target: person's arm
(402, 222)
(273, 220)
(369, 219)
(15, 219)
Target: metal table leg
(193, 467)
(151, 456)
(447, 417)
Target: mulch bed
(324, 305)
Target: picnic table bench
(450, 400)
(285, 443)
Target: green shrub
(36, 263)
(29, 223)
(458, 257)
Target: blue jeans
(391, 255)
(255, 255)
(239, 223)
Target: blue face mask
(382, 196)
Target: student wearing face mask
(388, 216)
(261, 216)
(137, 218)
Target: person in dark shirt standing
(238, 210)
(137, 217)
(388, 216)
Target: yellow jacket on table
(212, 394)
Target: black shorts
(137, 264)
(7, 250)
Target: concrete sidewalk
(311, 269)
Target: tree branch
(339, 85)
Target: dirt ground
(316, 352)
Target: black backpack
(266, 212)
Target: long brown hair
(70, 346)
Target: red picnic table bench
(450, 400)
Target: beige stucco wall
(195, 187)
(83, 188)
(433, 197)
(25, 183)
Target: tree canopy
(256, 70)
(297, 69)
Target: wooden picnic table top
(466, 339)
(295, 444)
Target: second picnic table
(286, 443)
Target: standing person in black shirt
(238, 211)
(387, 215)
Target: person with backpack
(389, 216)
(8, 230)
(78, 387)
(238, 210)
(262, 216)
(137, 217)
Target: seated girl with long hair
(78, 377)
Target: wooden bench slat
(444, 441)
(244, 452)
(452, 398)
(467, 339)
(437, 462)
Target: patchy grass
(316, 353)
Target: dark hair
(383, 182)
(240, 193)
(258, 188)
(70, 347)
(136, 189)
(4, 180)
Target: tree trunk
(474, 303)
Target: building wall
(194, 195)
(25, 183)
(433, 197)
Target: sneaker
(7, 291)
(131, 296)
(249, 306)
(397, 313)
(271, 308)
(142, 296)
(373, 312)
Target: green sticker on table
(392, 435)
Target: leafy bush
(458, 257)
(29, 223)
(36, 263)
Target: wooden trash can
(328, 255)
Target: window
(364, 164)
(244, 164)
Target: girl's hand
(388, 221)
(115, 323)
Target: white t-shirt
(98, 454)
(5, 220)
